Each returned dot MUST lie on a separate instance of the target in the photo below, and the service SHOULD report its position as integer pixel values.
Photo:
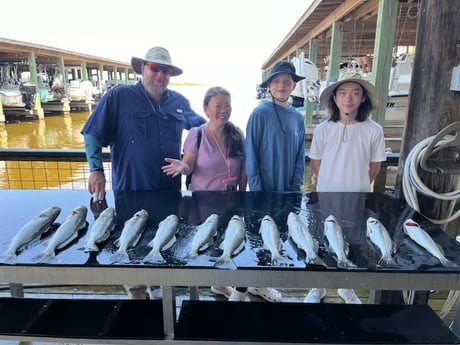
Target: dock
(72, 81)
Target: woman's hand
(175, 167)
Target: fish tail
(447, 263)
(91, 248)
(225, 263)
(280, 261)
(154, 258)
(45, 257)
(120, 256)
(315, 260)
(7, 257)
(387, 261)
(192, 254)
(346, 264)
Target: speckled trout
(164, 238)
(233, 243)
(379, 236)
(423, 239)
(272, 241)
(30, 232)
(204, 236)
(101, 229)
(336, 242)
(130, 235)
(302, 237)
(65, 233)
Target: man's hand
(96, 185)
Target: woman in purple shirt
(217, 162)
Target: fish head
(213, 218)
(52, 211)
(331, 219)
(267, 218)
(108, 212)
(409, 223)
(82, 210)
(370, 223)
(237, 218)
(141, 213)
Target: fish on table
(164, 238)
(65, 233)
(205, 236)
(300, 234)
(379, 236)
(130, 235)
(31, 232)
(101, 229)
(272, 241)
(424, 240)
(336, 242)
(233, 243)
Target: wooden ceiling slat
(359, 19)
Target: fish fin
(239, 249)
(67, 241)
(206, 245)
(170, 243)
(440, 248)
(136, 240)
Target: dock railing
(47, 169)
(68, 169)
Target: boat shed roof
(357, 18)
(13, 51)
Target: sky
(214, 41)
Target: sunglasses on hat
(158, 68)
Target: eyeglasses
(158, 68)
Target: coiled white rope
(412, 183)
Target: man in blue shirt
(142, 124)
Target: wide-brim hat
(354, 77)
(279, 68)
(157, 55)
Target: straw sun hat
(354, 77)
(157, 55)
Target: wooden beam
(383, 50)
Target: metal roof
(357, 18)
(13, 51)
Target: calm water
(63, 131)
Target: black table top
(351, 209)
